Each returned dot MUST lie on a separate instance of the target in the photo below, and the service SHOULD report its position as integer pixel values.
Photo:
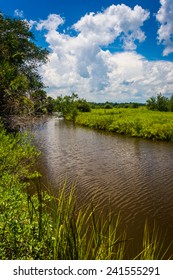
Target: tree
(108, 105)
(50, 104)
(171, 103)
(69, 106)
(160, 103)
(83, 106)
(19, 60)
(151, 103)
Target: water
(133, 176)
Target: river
(127, 175)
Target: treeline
(70, 106)
(111, 105)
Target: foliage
(153, 245)
(17, 226)
(83, 105)
(69, 106)
(81, 234)
(21, 88)
(108, 105)
(111, 105)
(160, 103)
(171, 104)
(133, 122)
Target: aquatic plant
(153, 247)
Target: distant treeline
(110, 105)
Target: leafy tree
(83, 106)
(108, 105)
(50, 103)
(19, 60)
(160, 103)
(171, 103)
(69, 106)
(39, 99)
(151, 103)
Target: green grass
(139, 122)
(153, 247)
(57, 231)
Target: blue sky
(103, 50)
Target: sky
(102, 50)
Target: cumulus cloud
(51, 24)
(103, 28)
(165, 32)
(136, 79)
(18, 13)
(82, 62)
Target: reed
(153, 247)
(82, 234)
(63, 232)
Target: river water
(127, 175)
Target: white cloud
(165, 32)
(83, 64)
(51, 23)
(18, 13)
(103, 28)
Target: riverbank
(138, 122)
(42, 226)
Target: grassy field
(138, 122)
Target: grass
(139, 122)
(153, 247)
(79, 235)
(58, 231)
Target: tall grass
(153, 245)
(139, 122)
(59, 231)
(79, 234)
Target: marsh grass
(80, 233)
(57, 230)
(153, 247)
(139, 122)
